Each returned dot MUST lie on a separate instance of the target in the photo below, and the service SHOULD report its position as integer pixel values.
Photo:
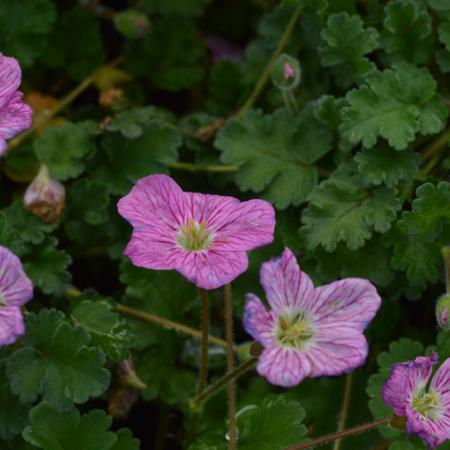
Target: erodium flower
(308, 332)
(204, 237)
(425, 404)
(15, 290)
(15, 115)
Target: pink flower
(425, 405)
(204, 237)
(308, 332)
(15, 115)
(15, 290)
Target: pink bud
(443, 317)
(288, 71)
(45, 196)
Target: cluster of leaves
(359, 178)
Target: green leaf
(346, 44)
(399, 351)
(79, 53)
(275, 423)
(53, 430)
(125, 441)
(106, 327)
(169, 55)
(439, 5)
(407, 27)
(343, 209)
(275, 154)
(393, 104)
(47, 267)
(14, 414)
(371, 261)
(25, 28)
(88, 201)
(57, 363)
(444, 34)
(62, 149)
(383, 165)
(131, 159)
(20, 229)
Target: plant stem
(290, 102)
(342, 434)
(232, 430)
(345, 408)
(65, 101)
(203, 373)
(436, 146)
(446, 255)
(191, 167)
(166, 323)
(219, 384)
(261, 84)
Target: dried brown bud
(45, 196)
(112, 96)
(120, 401)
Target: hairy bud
(286, 72)
(443, 312)
(132, 24)
(45, 196)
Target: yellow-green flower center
(427, 404)
(194, 236)
(294, 330)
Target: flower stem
(345, 408)
(232, 430)
(446, 255)
(342, 434)
(261, 84)
(65, 101)
(436, 146)
(166, 323)
(219, 384)
(290, 102)
(203, 373)
(191, 167)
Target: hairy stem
(345, 408)
(446, 255)
(166, 323)
(191, 167)
(342, 434)
(232, 430)
(219, 384)
(290, 102)
(436, 146)
(65, 101)
(203, 373)
(262, 82)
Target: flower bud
(126, 375)
(443, 312)
(286, 72)
(45, 196)
(132, 24)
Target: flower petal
(403, 379)
(283, 366)
(352, 302)
(336, 353)
(156, 201)
(10, 78)
(211, 269)
(15, 116)
(11, 325)
(238, 226)
(286, 286)
(258, 322)
(441, 379)
(16, 288)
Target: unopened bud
(45, 196)
(286, 72)
(442, 312)
(132, 23)
(126, 375)
(112, 97)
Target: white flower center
(427, 404)
(194, 236)
(294, 330)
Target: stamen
(427, 404)
(294, 330)
(195, 236)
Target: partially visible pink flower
(204, 237)
(15, 115)
(288, 71)
(308, 332)
(15, 290)
(222, 49)
(425, 405)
